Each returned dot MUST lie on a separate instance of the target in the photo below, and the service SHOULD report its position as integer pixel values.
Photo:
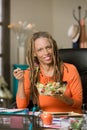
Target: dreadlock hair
(33, 62)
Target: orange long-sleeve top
(50, 103)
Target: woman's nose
(45, 51)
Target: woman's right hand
(18, 74)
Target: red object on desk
(46, 118)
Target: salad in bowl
(51, 88)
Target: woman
(45, 67)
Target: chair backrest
(78, 57)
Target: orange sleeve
(75, 86)
(23, 102)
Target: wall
(36, 11)
(63, 19)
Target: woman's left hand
(64, 98)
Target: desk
(30, 122)
(64, 122)
(18, 122)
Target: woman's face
(43, 51)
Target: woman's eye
(48, 47)
(39, 50)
